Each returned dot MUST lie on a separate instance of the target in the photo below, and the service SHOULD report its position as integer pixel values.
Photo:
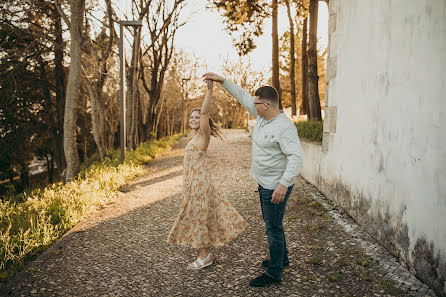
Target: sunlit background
(204, 35)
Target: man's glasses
(267, 103)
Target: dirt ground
(121, 250)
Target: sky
(205, 37)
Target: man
(276, 161)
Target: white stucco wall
(387, 82)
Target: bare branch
(62, 13)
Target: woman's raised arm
(205, 109)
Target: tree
(133, 71)
(313, 78)
(275, 53)
(305, 105)
(243, 20)
(246, 18)
(100, 51)
(60, 91)
(41, 20)
(300, 63)
(292, 61)
(171, 118)
(185, 71)
(26, 82)
(75, 24)
(241, 73)
(162, 23)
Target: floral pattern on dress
(206, 218)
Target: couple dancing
(208, 220)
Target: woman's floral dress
(206, 218)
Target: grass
(366, 275)
(291, 218)
(342, 262)
(363, 259)
(311, 130)
(390, 288)
(318, 227)
(315, 261)
(334, 277)
(317, 248)
(29, 225)
(316, 208)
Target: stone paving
(121, 250)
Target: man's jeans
(273, 217)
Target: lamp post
(184, 85)
(122, 109)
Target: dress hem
(216, 244)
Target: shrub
(311, 130)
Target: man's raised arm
(238, 92)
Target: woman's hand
(210, 84)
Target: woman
(206, 219)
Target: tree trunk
(292, 61)
(60, 92)
(159, 115)
(167, 120)
(313, 78)
(47, 94)
(83, 134)
(94, 117)
(24, 179)
(133, 79)
(133, 136)
(11, 176)
(95, 89)
(50, 168)
(101, 121)
(72, 97)
(305, 107)
(103, 75)
(172, 126)
(275, 54)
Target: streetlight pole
(122, 109)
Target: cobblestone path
(121, 250)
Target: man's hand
(279, 194)
(213, 77)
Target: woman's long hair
(216, 130)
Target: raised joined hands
(213, 77)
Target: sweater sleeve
(290, 145)
(241, 96)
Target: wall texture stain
(390, 231)
(430, 266)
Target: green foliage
(149, 150)
(243, 21)
(311, 130)
(22, 89)
(28, 228)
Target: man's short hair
(269, 94)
